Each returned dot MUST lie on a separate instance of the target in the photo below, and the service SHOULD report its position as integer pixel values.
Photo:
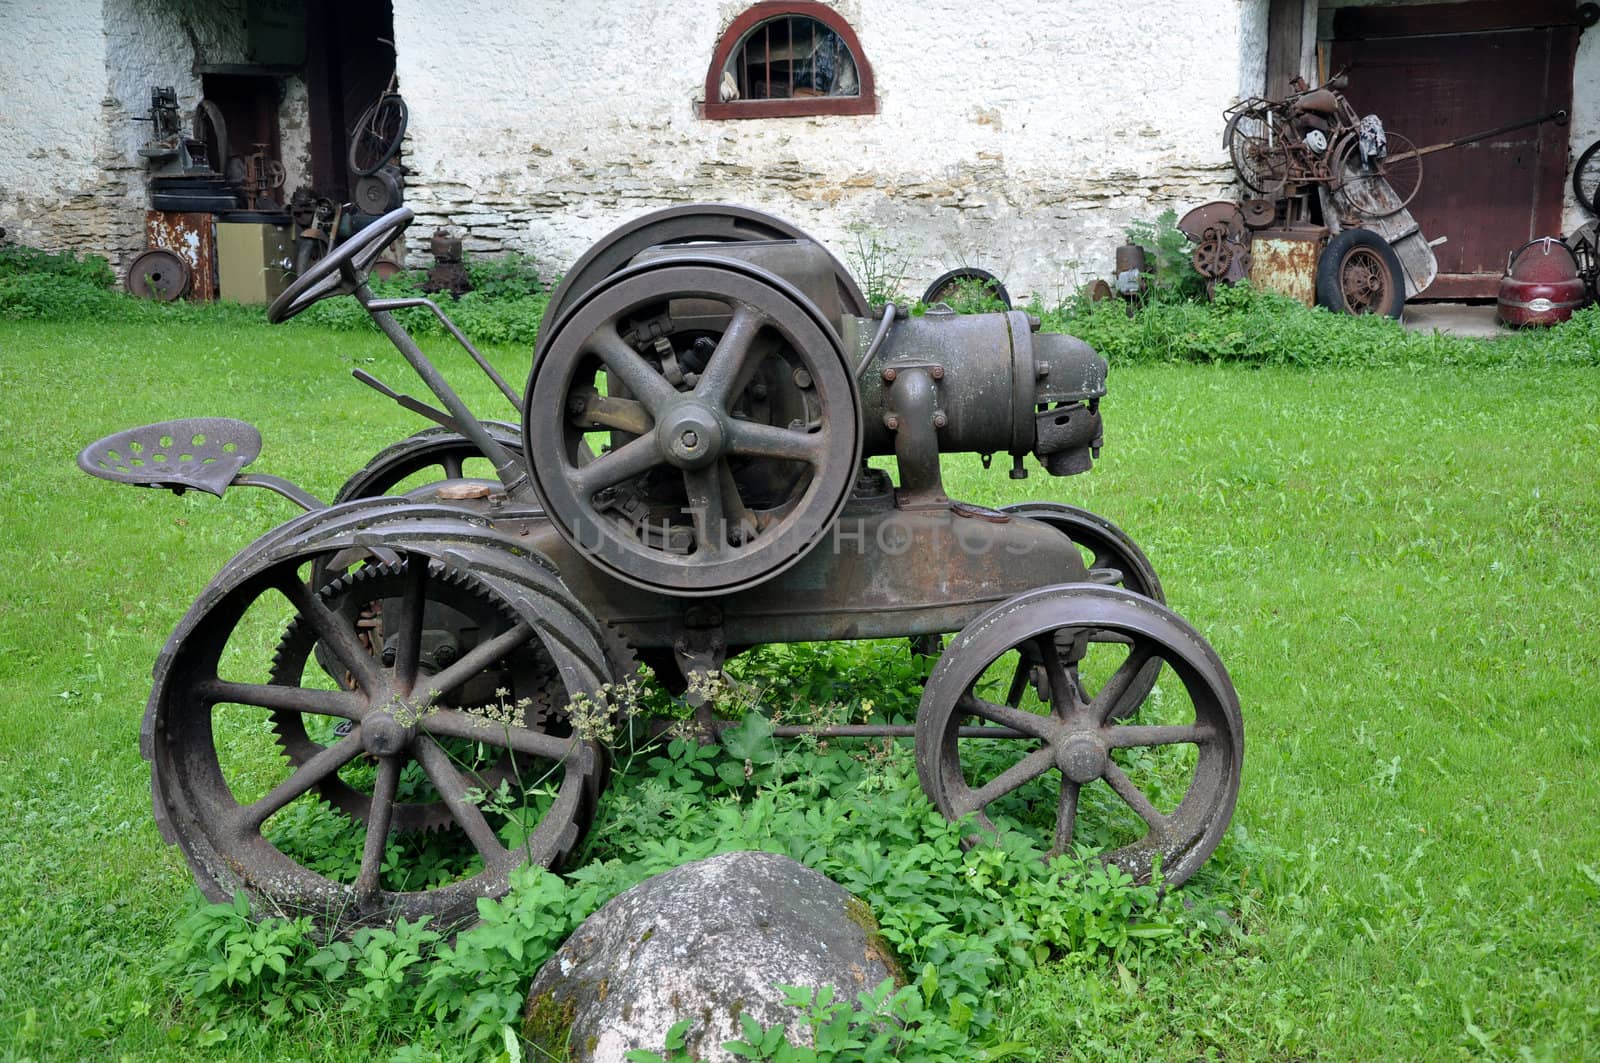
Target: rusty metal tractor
(689, 475)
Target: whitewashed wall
(1016, 136)
(74, 76)
(53, 148)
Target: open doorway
(347, 66)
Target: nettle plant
(965, 920)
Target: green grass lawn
(1397, 566)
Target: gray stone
(707, 941)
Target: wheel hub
(690, 435)
(1082, 757)
(383, 736)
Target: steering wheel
(342, 270)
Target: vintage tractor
(690, 478)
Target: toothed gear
(462, 595)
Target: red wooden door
(1441, 71)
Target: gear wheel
(456, 601)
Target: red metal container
(1541, 285)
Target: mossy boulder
(709, 941)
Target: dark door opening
(1440, 71)
(347, 66)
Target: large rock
(708, 941)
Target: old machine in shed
(686, 477)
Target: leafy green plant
(511, 276)
(1170, 252)
(882, 266)
(17, 260)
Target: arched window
(788, 57)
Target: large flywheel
(697, 223)
(723, 413)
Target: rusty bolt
(1041, 369)
(577, 404)
(759, 390)
(889, 374)
(939, 420)
(802, 379)
(891, 422)
(937, 372)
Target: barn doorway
(1435, 72)
(347, 66)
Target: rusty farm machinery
(684, 477)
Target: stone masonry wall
(1017, 136)
(74, 76)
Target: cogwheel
(456, 601)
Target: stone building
(1018, 136)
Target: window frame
(864, 102)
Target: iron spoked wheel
(457, 617)
(1106, 548)
(1167, 784)
(1586, 178)
(1262, 164)
(1359, 273)
(424, 457)
(1381, 189)
(396, 735)
(699, 223)
(377, 135)
(731, 416)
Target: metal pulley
(159, 275)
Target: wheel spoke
(710, 515)
(408, 629)
(1135, 798)
(378, 819)
(1065, 697)
(331, 628)
(449, 784)
(1019, 680)
(1028, 723)
(1129, 735)
(476, 660)
(629, 460)
(1107, 702)
(1019, 774)
(643, 382)
(343, 704)
(1066, 816)
(752, 440)
(455, 723)
(728, 364)
(454, 467)
(313, 771)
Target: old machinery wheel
(732, 419)
(1212, 258)
(379, 192)
(342, 270)
(1385, 187)
(1359, 273)
(458, 616)
(946, 286)
(699, 223)
(427, 456)
(1170, 783)
(159, 275)
(211, 131)
(1106, 548)
(1262, 165)
(1586, 178)
(377, 134)
(398, 733)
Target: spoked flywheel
(1166, 785)
(723, 419)
(433, 721)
